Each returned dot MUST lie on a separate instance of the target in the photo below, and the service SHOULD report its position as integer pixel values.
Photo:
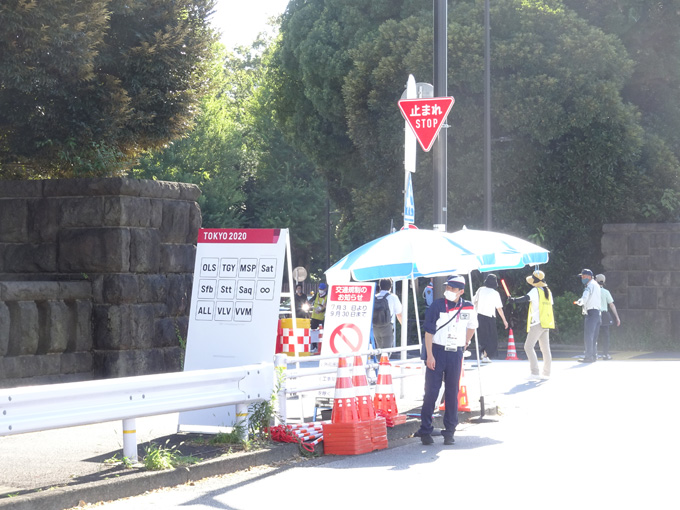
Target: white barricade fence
(298, 380)
(45, 407)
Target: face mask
(322, 293)
(450, 295)
(584, 281)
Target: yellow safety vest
(545, 311)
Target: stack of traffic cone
(365, 404)
(512, 350)
(384, 401)
(346, 435)
(463, 403)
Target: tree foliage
(88, 85)
(249, 175)
(571, 147)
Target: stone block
(153, 288)
(108, 364)
(195, 222)
(660, 240)
(24, 328)
(177, 258)
(649, 278)
(21, 189)
(614, 263)
(123, 211)
(639, 262)
(82, 340)
(120, 288)
(674, 240)
(45, 215)
(668, 298)
(175, 223)
(617, 280)
(121, 327)
(97, 250)
(179, 294)
(4, 329)
(110, 327)
(13, 220)
(81, 212)
(614, 244)
(173, 359)
(642, 298)
(29, 258)
(56, 327)
(76, 363)
(145, 253)
(166, 332)
(29, 291)
(638, 243)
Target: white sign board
(234, 306)
(347, 325)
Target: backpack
(381, 311)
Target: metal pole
(440, 90)
(487, 120)
(439, 154)
(130, 439)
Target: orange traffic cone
(512, 350)
(384, 401)
(345, 408)
(362, 391)
(463, 403)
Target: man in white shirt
(395, 314)
(590, 305)
(487, 302)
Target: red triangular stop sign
(426, 117)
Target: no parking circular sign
(346, 336)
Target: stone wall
(642, 265)
(116, 255)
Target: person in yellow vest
(540, 321)
(318, 315)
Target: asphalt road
(593, 436)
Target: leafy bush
(568, 320)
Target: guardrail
(36, 408)
(291, 381)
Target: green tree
(249, 175)
(86, 86)
(577, 150)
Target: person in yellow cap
(540, 321)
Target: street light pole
(440, 90)
(487, 120)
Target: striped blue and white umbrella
(412, 253)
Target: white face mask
(450, 295)
(322, 293)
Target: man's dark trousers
(591, 326)
(447, 368)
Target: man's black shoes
(587, 360)
(448, 440)
(426, 439)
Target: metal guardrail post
(281, 365)
(242, 419)
(130, 439)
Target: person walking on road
(590, 303)
(540, 320)
(450, 323)
(606, 304)
(386, 308)
(487, 303)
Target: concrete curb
(139, 482)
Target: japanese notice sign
(426, 117)
(347, 326)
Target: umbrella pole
(479, 363)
